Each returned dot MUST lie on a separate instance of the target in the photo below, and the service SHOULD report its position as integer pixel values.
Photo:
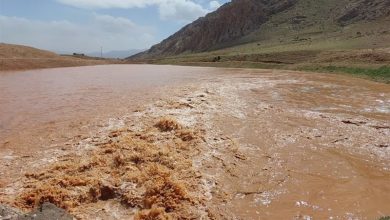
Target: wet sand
(245, 144)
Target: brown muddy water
(144, 141)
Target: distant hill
(20, 51)
(276, 22)
(116, 54)
(19, 57)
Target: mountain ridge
(116, 54)
(246, 21)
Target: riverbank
(16, 64)
(374, 73)
(372, 64)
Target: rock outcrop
(230, 22)
(364, 10)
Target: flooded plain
(144, 141)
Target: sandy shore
(15, 64)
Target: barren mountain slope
(245, 21)
(230, 22)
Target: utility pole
(101, 52)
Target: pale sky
(86, 25)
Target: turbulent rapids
(163, 142)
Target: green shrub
(381, 74)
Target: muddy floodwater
(160, 142)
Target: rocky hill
(243, 21)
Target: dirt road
(198, 143)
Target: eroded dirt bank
(235, 144)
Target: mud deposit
(196, 143)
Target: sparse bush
(217, 59)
